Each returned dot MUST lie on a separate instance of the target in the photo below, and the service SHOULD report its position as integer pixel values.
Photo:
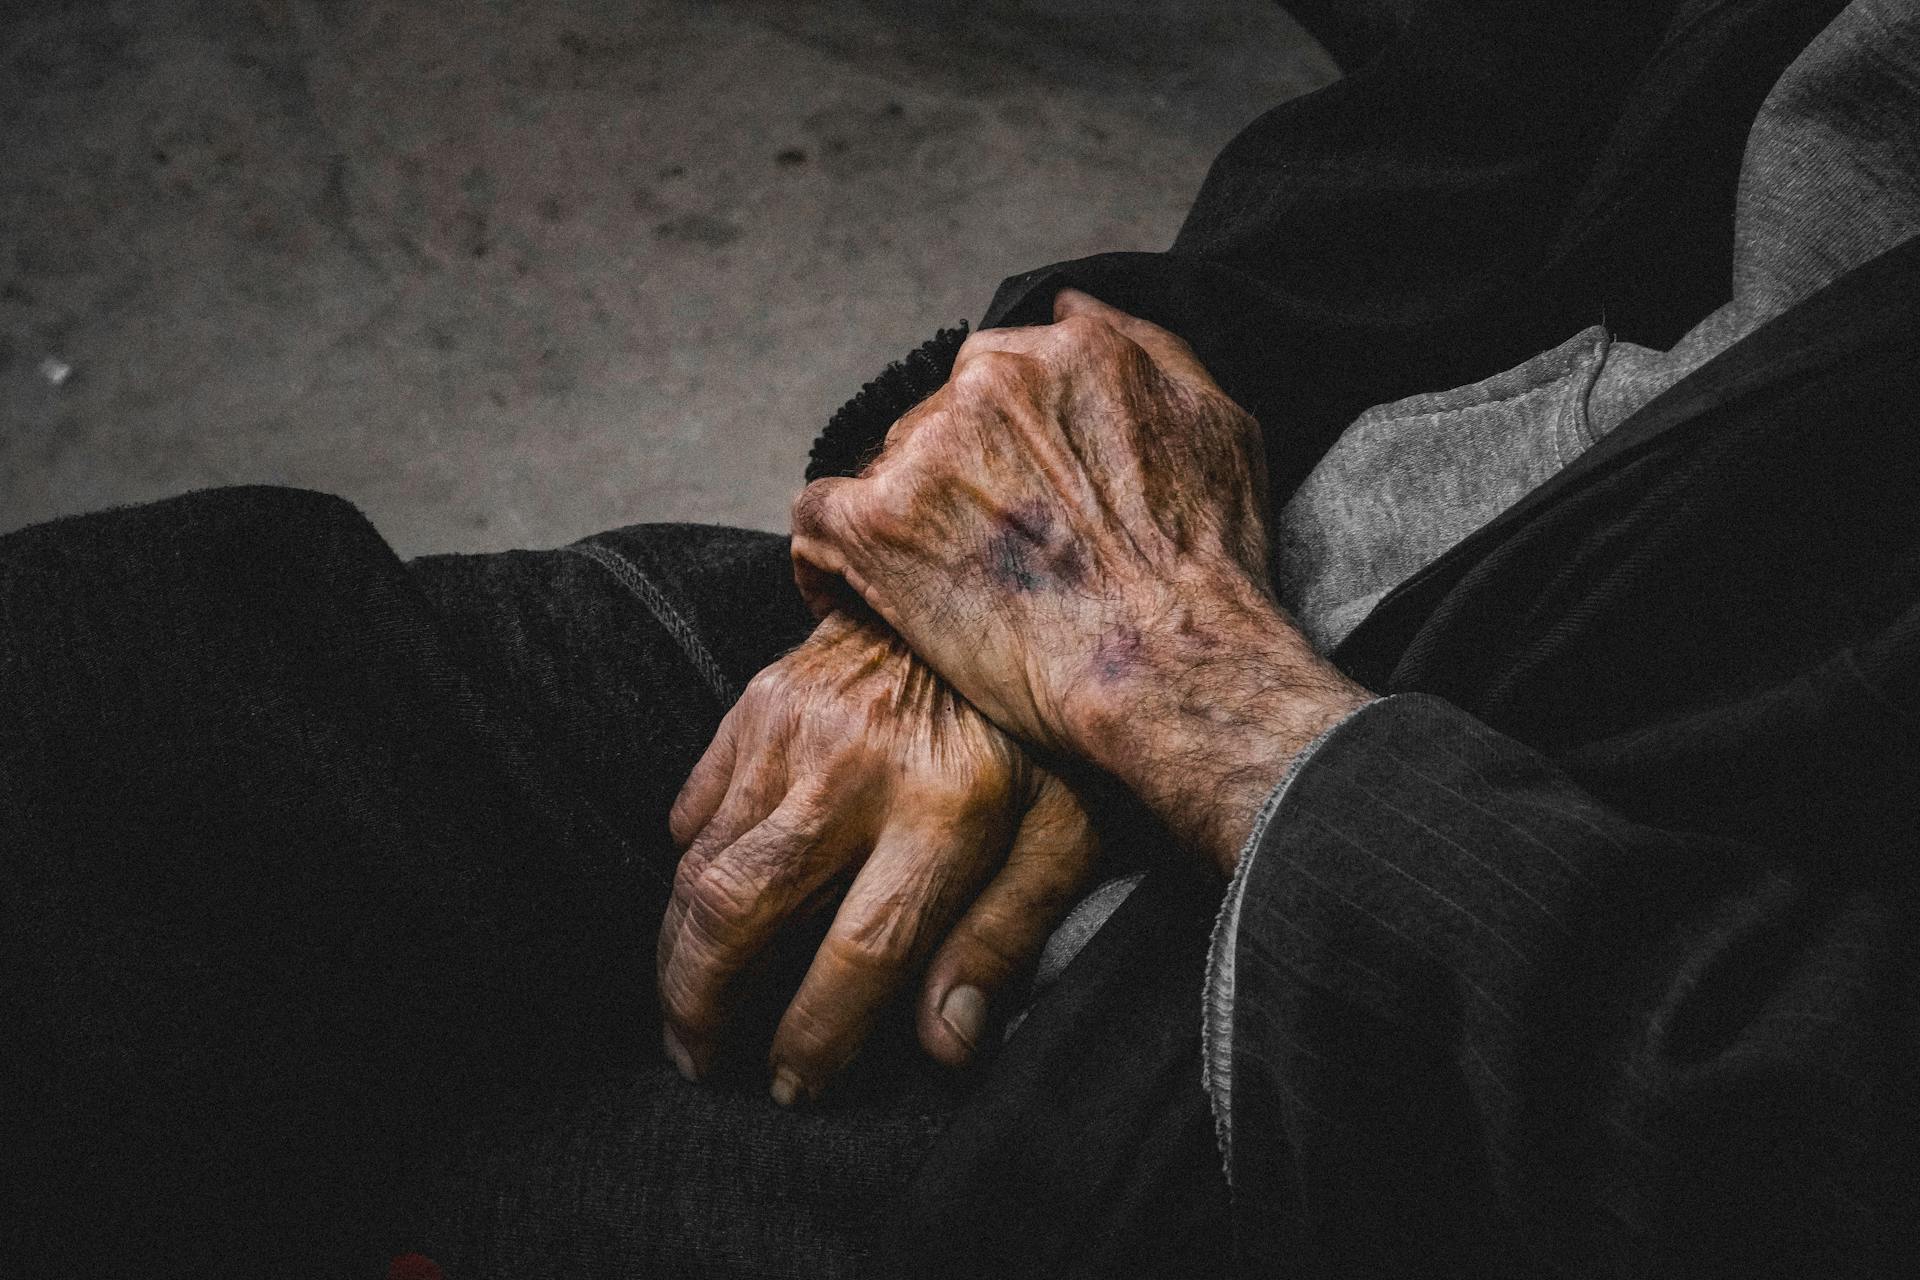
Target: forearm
(1201, 714)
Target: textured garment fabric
(1706, 628)
(1216, 1031)
(1492, 178)
(1831, 178)
(329, 890)
(1653, 797)
(1443, 935)
(263, 734)
(1487, 179)
(1410, 479)
(1637, 997)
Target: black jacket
(1595, 954)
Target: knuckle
(719, 903)
(962, 797)
(1055, 823)
(803, 818)
(769, 685)
(982, 342)
(887, 504)
(993, 948)
(991, 374)
(1094, 340)
(1083, 330)
(879, 944)
(815, 506)
(1047, 893)
(904, 426)
(1180, 346)
(686, 874)
(977, 343)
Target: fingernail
(682, 1060)
(786, 1087)
(965, 1013)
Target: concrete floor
(507, 272)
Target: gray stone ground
(504, 272)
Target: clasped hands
(1060, 556)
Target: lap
(643, 1173)
(313, 857)
(330, 886)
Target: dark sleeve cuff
(1216, 1031)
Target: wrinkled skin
(1071, 532)
(849, 758)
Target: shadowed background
(507, 272)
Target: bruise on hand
(1122, 651)
(1010, 564)
(1119, 654)
(1018, 558)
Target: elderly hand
(849, 758)
(1072, 532)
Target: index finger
(726, 908)
(911, 889)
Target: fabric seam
(1216, 1026)
(643, 589)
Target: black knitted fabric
(854, 435)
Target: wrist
(1207, 710)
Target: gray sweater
(1830, 180)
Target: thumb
(1002, 933)
(819, 556)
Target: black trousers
(330, 886)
